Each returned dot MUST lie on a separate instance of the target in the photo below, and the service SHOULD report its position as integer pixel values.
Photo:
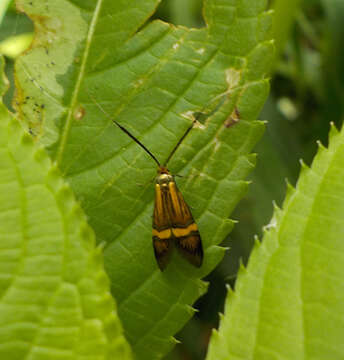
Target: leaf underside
(55, 295)
(288, 304)
(151, 81)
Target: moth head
(164, 177)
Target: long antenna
(178, 143)
(139, 143)
(193, 123)
(125, 130)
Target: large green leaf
(55, 295)
(152, 82)
(289, 302)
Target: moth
(173, 223)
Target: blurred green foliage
(307, 92)
(13, 27)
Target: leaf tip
(190, 310)
(229, 288)
(303, 164)
(242, 269)
(257, 242)
(320, 145)
(87, 235)
(174, 341)
(333, 129)
(221, 317)
(290, 187)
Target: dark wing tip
(162, 252)
(190, 247)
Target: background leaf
(14, 26)
(284, 17)
(3, 8)
(295, 123)
(277, 161)
(152, 82)
(289, 301)
(333, 53)
(55, 299)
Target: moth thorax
(164, 179)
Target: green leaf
(151, 81)
(55, 299)
(289, 302)
(284, 17)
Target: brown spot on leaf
(233, 118)
(79, 112)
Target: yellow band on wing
(177, 232)
(180, 232)
(164, 234)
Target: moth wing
(162, 232)
(190, 247)
(162, 251)
(184, 229)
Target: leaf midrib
(69, 117)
